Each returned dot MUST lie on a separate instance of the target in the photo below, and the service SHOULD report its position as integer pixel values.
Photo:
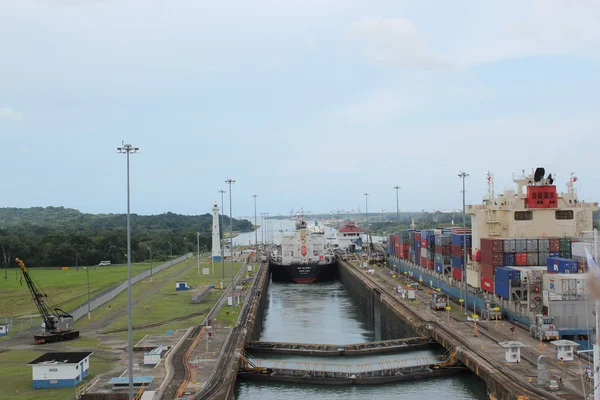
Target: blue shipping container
(506, 274)
(439, 268)
(557, 254)
(457, 239)
(501, 288)
(509, 259)
(562, 265)
(457, 261)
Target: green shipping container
(565, 245)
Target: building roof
(62, 358)
(350, 227)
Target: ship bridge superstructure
(535, 209)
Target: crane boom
(57, 323)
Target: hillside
(57, 236)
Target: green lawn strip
(66, 289)
(168, 304)
(16, 373)
(119, 303)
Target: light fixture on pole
(397, 203)
(88, 281)
(221, 233)
(230, 181)
(463, 175)
(128, 149)
(367, 214)
(255, 228)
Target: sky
(307, 104)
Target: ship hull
(304, 273)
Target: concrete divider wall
(260, 310)
(110, 294)
(381, 318)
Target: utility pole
(255, 228)
(171, 252)
(128, 149)
(463, 175)
(150, 250)
(221, 233)
(230, 182)
(397, 204)
(367, 214)
(198, 244)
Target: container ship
(303, 256)
(525, 251)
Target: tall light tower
(463, 175)
(367, 213)
(221, 230)
(255, 228)
(397, 204)
(128, 149)
(230, 181)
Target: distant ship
(303, 256)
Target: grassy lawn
(16, 375)
(168, 304)
(65, 289)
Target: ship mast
(490, 181)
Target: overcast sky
(307, 103)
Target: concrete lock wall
(260, 312)
(104, 297)
(381, 318)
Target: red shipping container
(487, 271)
(521, 259)
(457, 273)
(444, 250)
(487, 284)
(430, 264)
(496, 259)
(418, 236)
(554, 245)
(423, 262)
(492, 245)
(423, 243)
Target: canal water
(325, 313)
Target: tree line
(58, 236)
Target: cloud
(396, 42)
(10, 113)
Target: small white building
(60, 370)
(348, 235)
(564, 349)
(153, 357)
(512, 351)
(3, 330)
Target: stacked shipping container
(459, 240)
(443, 256)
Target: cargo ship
(303, 256)
(525, 251)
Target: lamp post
(255, 228)
(198, 249)
(397, 204)
(230, 181)
(367, 214)
(463, 175)
(221, 233)
(171, 251)
(150, 250)
(128, 149)
(88, 281)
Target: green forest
(58, 236)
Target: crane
(58, 324)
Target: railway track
(510, 377)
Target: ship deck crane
(58, 324)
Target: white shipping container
(424, 252)
(578, 248)
(549, 296)
(566, 284)
(473, 278)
